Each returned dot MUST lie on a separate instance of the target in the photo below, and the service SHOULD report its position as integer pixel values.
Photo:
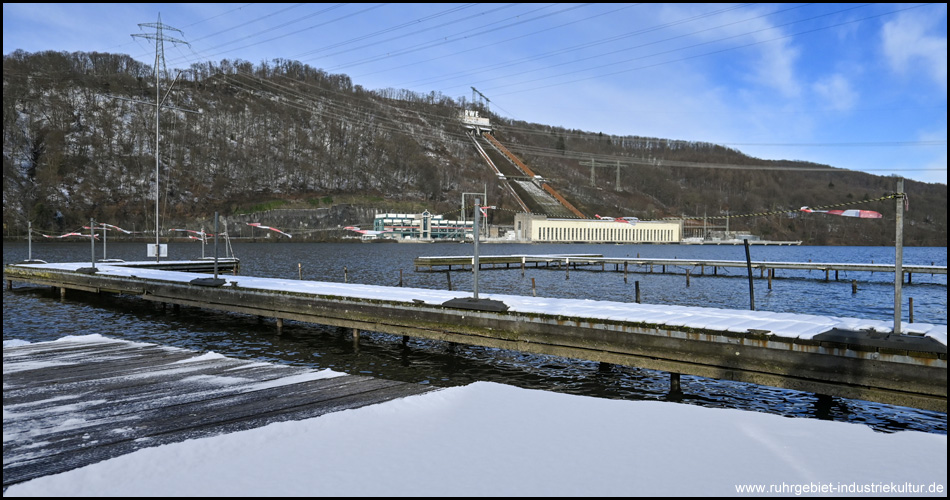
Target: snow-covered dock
(845, 357)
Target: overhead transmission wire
(450, 39)
(460, 37)
(407, 24)
(594, 43)
(343, 111)
(782, 212)
(728, 49)
(503, 42)
(678, 49)
(305, 102)
(330, 21)
(559, 153)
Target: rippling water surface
(38, 314)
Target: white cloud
(837, 92)
(911, 45)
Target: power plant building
(541, 229)
(422, 226)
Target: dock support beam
(675, 383)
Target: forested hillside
(236, 138)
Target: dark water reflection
(38, 314)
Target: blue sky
(856, 86)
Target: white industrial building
(424, 226)
(541, 229)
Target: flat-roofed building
(423, 226)
(541, 229)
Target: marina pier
(660, 265)
(844, 357)
(155, 395)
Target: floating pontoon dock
(650, 265)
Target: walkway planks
(74, 402)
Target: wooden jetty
(860, 359)
(74, 402)
(650, 265)
(231, 265)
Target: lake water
(37, 314)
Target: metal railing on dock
(651, 265)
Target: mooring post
(356, 335)
(62, 292)
(567, 266)
(748, 265)
(533, 291)
(448, 277)
(898, 255)
(624, 272)
(854, 286)
(299, 271)
(675, 383)
(910, 306)
(687, 277)
(345, 278)
(280, 326)
(522, 266)
(400, 277)
(636, 286)
(770, 279)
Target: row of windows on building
(606, 234)
(422, 225)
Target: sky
(489, 439)
(855, 86)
